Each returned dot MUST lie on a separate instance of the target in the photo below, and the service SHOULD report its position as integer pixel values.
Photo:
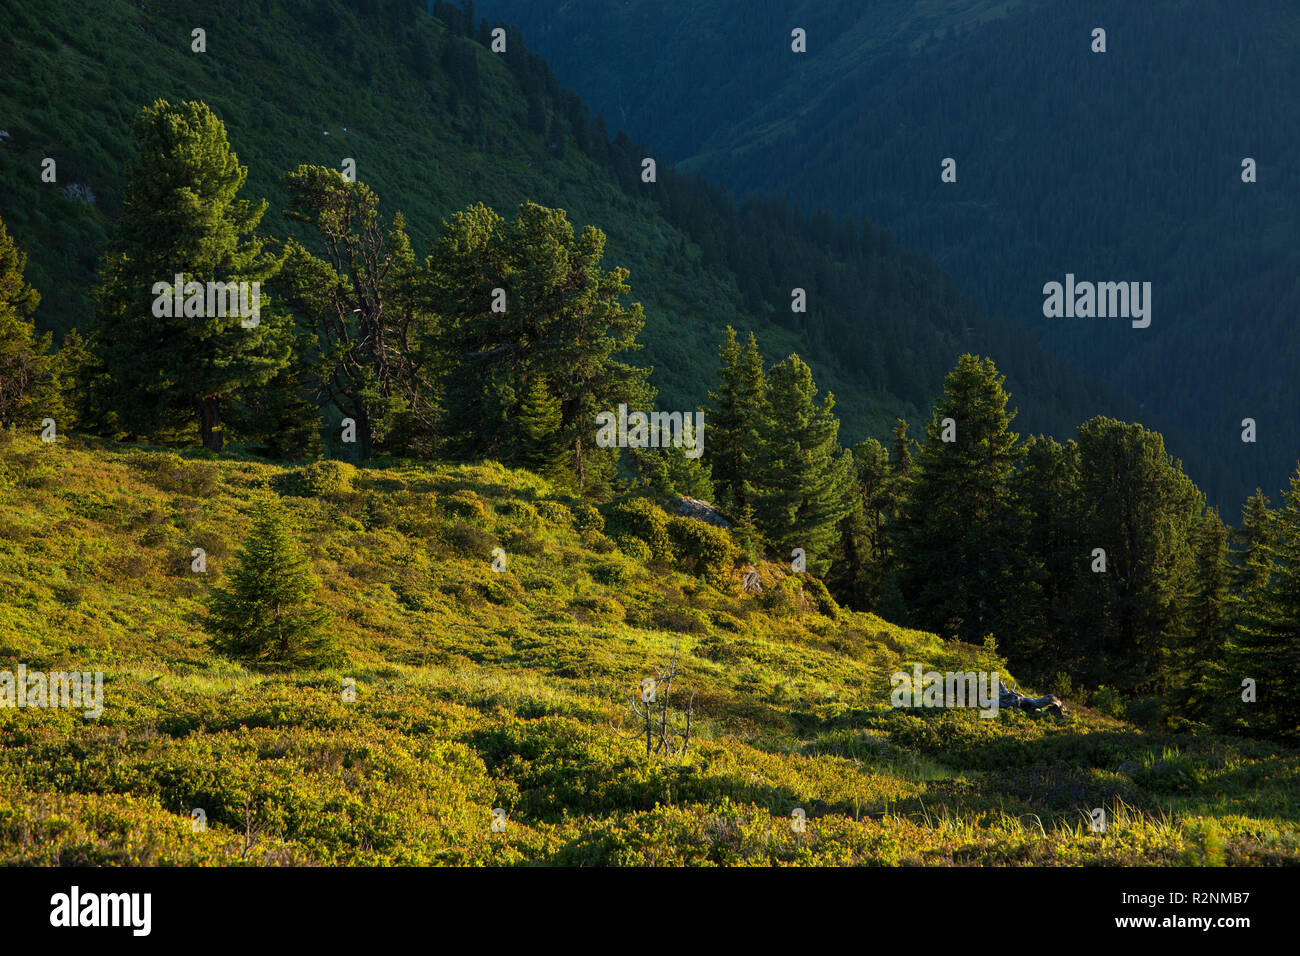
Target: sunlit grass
(476, 689)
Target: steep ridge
(435, 121)
(1123, 165)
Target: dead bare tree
(252, 832)
(665, 732)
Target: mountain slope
(1117, 166)
(477, 690)
(435, 121)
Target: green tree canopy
(735, 421)
(957, 540)
(558, 318)
(803, 479)
(29, 382)
(363, 303)
(1140, 509)
(1267, 647)
(181, 218)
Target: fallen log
(1034, 706)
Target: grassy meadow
(478, 689)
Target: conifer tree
(265, 615)
(1138, 507)
(1250, 566)
(181, 217)
(77, 369)
(735, 421)
(745, 531)
(805, 479)
(956, 543)
(559, 315)
(481, 349)
(359, 303)
(29, 380)
(1198, 665)
(1250, 559)
(864, 557)
(902, 448)
(1035, 637)
(900, 468)
(1269, 647)
(539, 424)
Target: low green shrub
(703, 549)
(634, 548)
(614, 572)
(643, 519)
(321, 479)
(554, 513)
(587, 517)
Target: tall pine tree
(735, 421)
(1268, 648)
(1197, 668)
(1138, 507)
(181, 218)
(529, 300)
(29, 381)
(1250, 567)
(804, 479)
(863, 558)
(957, 548)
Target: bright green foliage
(702, 548)
(478, 690)
(181, 217)
(803, 480)
(734, 423)
(29, 381)
(645, 531)
(326, 478)
(496, 688)
(559, 319)
(959, 558)
(265, 615)
(644, 520)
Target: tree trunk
(580, 464)
(210, 424)
(364, 443)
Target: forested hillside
(1122, 165)
(400, 470)
(436, 121)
